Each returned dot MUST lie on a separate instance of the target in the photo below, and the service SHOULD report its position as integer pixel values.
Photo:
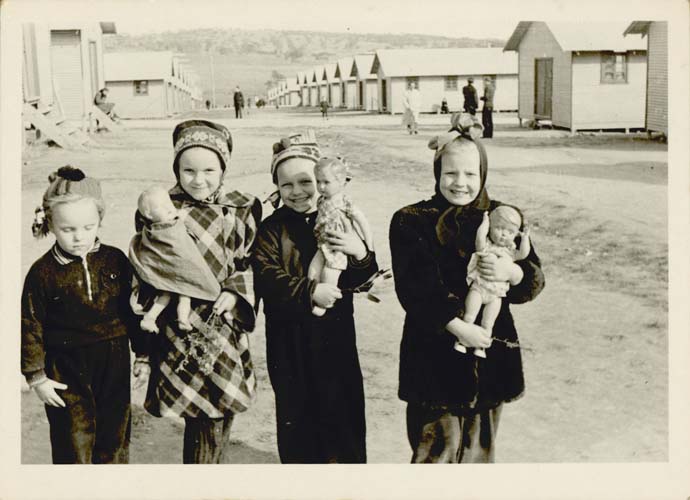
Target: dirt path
(594, 341)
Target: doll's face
(328, 183)
(158, 207)
(460, 180)
(297, 185)
(502, 232)
(201, 172)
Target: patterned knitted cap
(205, 134)
(302, 145)
(66, 185)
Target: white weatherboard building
(150, 84)
(656, 108)
(63, 65)
(580, 76)
(343, 70)
(315, 85)
(332, 85)
(441, 73)
(366, 83)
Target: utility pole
(213, 79)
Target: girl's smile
(200, 172)
(297, 184)
(460, 180)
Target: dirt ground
(594, 342)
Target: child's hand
(325, 295)
(141, 371)
(347, 241)
(46, 392)
(225, 302)
(493, 268)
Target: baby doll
(165, 256)
(495, 235)
(335, 213)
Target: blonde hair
(507, 214)
(340, 169)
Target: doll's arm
(482, 233)
(362, 227)
(525, 247)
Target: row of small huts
(577, 76)
(65, 65)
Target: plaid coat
(208, 372)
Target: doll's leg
(328, 275)
(316, 266)
(184, 307)
(148, 322)
(473, 303)
(489, 316)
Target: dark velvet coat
(430, 281)
(312, 361)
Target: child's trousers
(95, 425)
(450, 436)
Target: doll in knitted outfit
(335, 213)
(495, 235)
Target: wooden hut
(149, 84)
(366, 90)
(343, 73)
(580, 76)
(299, 83)
(330, 85)
(656, 106)
(315, 86)
(440, 73)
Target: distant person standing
(488, 109)
(412, 102)
(238, 101)
(324, 108)
(469, 93)
(208, 105)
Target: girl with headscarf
(312, 360)
(454, 401)
(206, 375)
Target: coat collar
(64, 258)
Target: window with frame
(141, 87)
(451, 83)
(614, 67)
(410, 80)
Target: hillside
(248, 58)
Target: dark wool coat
(430, 281)
(312, 361)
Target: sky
(454, 18)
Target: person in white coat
(411, 103)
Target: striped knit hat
(302, 145)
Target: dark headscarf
(464, 127)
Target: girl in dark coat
(454, 400)
(312, 361)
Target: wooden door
(543, 87)
(361, 94)
(65, 56)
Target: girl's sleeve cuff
(36, 378)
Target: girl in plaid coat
(206, 375)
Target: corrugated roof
(123, 66)
(430, 62)
(583, 37)
(361, 65)
(343, 68)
